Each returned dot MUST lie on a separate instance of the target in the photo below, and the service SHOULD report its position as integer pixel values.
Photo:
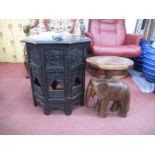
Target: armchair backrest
(108, 32)
(62, 25)
(72, 26)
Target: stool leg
(103, 109)
(108, 74)
(121, 111)
(97, 106)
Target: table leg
(108, 75)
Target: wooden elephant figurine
(106, 90)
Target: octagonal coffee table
(109, 66)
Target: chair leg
(27, 69)
(26, 63)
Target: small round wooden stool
(118, 66)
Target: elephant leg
(124, 107)
(127, 100)
(115, 106)
(122, 110)
(125, 103)
(97, 106)
(103, 109)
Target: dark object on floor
(149, 65)
(57, 72)
(145, 63)
(108, 89)
(138, 61)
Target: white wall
(130, 24)
(86, 24)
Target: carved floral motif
(34, 56)
(76, 56)
(54, 58)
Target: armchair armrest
(26, 28)
(133, 39)
(89, 35)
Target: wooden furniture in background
(146, 27)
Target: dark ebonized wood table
(57, 72)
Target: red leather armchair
(108, 37)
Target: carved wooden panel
(76, 55)
(55, 76)
(77, 76)
(34, 56)
(54, 57)
(77, 82)
(36, 81)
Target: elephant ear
(103, 89)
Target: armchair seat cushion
(128, 51)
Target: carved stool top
(109, 63)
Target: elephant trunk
(89, 93)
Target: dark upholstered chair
(109, 38)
